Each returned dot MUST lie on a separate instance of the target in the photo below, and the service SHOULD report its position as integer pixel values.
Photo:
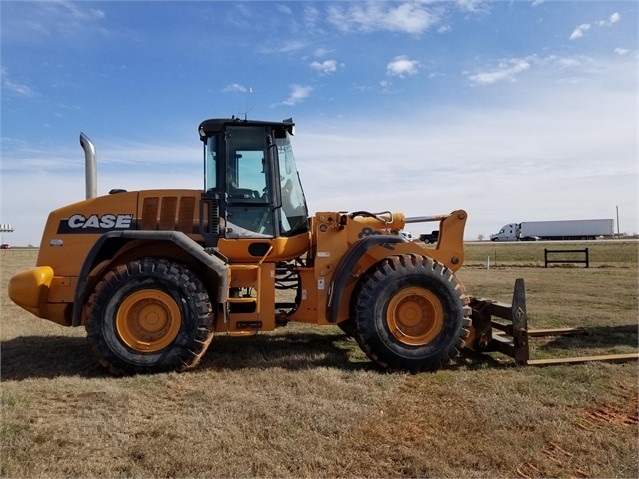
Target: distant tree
(480, 237)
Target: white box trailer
(555, 230)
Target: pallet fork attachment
(510, 336)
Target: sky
(511, 110)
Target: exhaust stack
(90, 166)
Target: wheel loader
(154, 275)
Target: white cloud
(298, 93)
(235, 88)
(614, 18)
(408, 17)
(82, 13)
(386, 83)
(322, 52)
(555, 68)
(14, 87)
(507, 70)
(126, 154)
(402, 66)
(584, 27)
(17, 88)
(292, 46)
(472, 5)
(327, 67)
(285, 9)
(579, 31)
(62, 19)
(311, 17)
(621, 51)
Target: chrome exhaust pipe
(90, 166)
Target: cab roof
(215, 125)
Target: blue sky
(512, 110)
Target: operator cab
(251, 184)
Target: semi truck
(555, 230)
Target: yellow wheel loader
(153, 275)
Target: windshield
(294, 212)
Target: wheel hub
(148, 320)
(415, 316)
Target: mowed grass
(305, 402)
(604, 253)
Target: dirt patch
(624, 414)
(555, 461)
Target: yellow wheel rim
(415, 316)
(148, 320)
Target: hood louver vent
(170, 213)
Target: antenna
(247, 109)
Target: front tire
(411, 313)
(149, 315)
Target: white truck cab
(509, 232)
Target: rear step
(511, 337)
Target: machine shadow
(595, 337)
(286, 350)
(28, 357)
(48, 357)
(53, 356)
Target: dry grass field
(305, 402)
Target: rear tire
(411, 313)
(348, 327)
(149, 315)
